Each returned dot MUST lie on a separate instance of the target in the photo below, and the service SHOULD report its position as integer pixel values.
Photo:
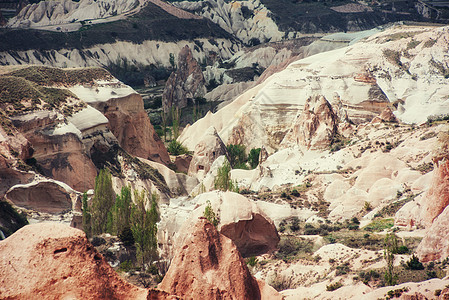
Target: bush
(252, 261)
(295, 224)
(334, 286)
(414, 264)
(176, 148)
(403, 250)
(209, 214)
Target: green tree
(172, 60)
(87, 217)
(121, 212)
(253, 157)
(223, 179)
(209, 214)
(102, 202)
(144, 227)
(237, 156)
(391, 247)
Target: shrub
(176, 148)
(209, 214)
(334, 286)
(223, 179)
(403, 249)
(414, 264)
(295, 224)
(252, 261)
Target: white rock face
(245, 19)
(363, 77)
(67, 11)
(146, 53)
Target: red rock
(209, 266)
(182, 163)
(53, 261)
(437, 197)
(131, 126)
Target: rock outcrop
(437, 197)
(240, 219)
(264, 114)
(209, 266)
(45, 196)
(62, 12)
(131, 126)
(435, 245)
(185, 84)
(49, 261)
(315, 127)
(208, 149)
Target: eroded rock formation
(209, 266)
(57, 261)
(185, 84)
(209, 148)
(315, 127)
(131, 126)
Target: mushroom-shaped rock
(209, 266)
(315, 126)
(54, 261)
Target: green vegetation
(54, 76)
(10, 219)
(237, 156)
(223, 179)
(176, 148)
(379, 225)
(118, 221)
(251, 261)
(253, 157)
(209, 214)
(391, 247)
(292, 248)
(414, 264)
(87, 217)
(144, 227)
(102, 202)
(396, 293)
(334, 286)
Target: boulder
(54, 261)
(185, 84)
(315, 127)
(208, 149)
(209, 266)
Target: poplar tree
(102, 202)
